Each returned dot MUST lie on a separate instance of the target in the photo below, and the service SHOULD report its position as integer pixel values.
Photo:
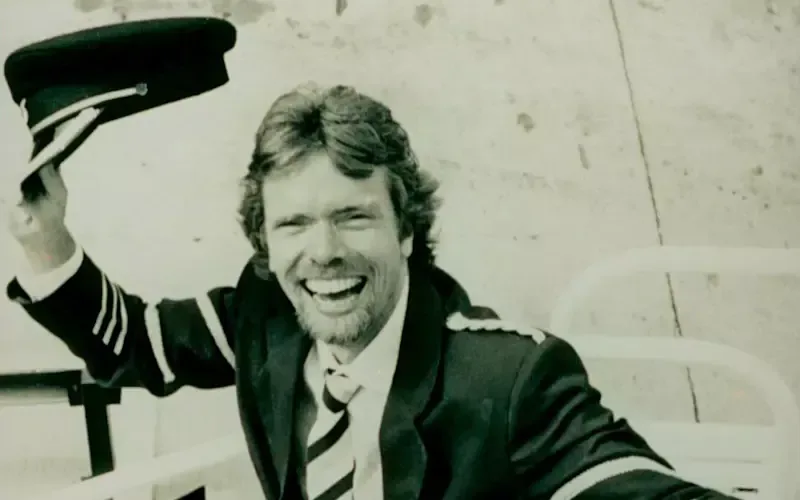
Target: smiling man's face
(334, 245)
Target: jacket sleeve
(565, 445)
(123, 339)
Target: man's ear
(407, 245)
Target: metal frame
(77, 389)
(113, 439)
(752, 261)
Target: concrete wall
(562, 132)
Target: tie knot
(339, 390)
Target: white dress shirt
(40, 286)
(373, 369)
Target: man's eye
(357, 218)
(290, 224)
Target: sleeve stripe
(153, 326)
(607, 470)
(103, 305)
(112, 322)
(111, 325)
(215, 328)
(120, 342)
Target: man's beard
(342, 330)
(373, 305)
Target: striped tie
(330, 466)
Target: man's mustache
(343, 268)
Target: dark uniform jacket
(475, 410)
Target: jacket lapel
(402, 450)
(287, 348)
(403, 454)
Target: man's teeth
(332, 286)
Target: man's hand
(38, 224)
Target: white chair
(748, 461)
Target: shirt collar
(374, 367)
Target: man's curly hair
(359, 134)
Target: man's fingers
(53, 182)
(52, 188)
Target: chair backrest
(737, 459)
(158, 470)
(740, 459)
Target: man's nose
(325, 245)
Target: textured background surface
(562, 132)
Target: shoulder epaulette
(458, 321)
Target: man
(361, 368)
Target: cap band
(61, 142)
(139, 89)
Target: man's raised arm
(123, 339)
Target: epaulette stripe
(458, 321)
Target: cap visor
(66, 138)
